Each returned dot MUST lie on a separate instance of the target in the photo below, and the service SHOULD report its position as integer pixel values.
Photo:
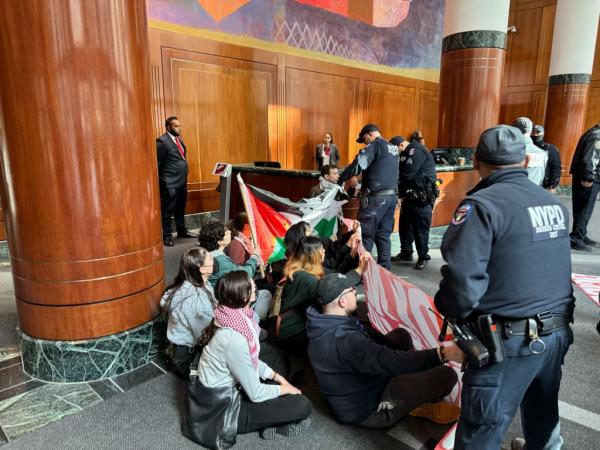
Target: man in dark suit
(172, 174)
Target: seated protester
(241, 247)
(231, 357)
(188, 304)
(329, 179)
(368, 383)
(341, 255)
(303, 271)
(215, 237)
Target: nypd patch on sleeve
(462, 213)
(547, 222)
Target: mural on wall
(396, 33)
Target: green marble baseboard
(94, 359)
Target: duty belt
(384, 192)
(546, 324)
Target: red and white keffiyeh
(241, 320)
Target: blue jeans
(491, 396)
(377, 223)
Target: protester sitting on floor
(188, 304)
(365, 381)
(302, 271)
(328, 181)
(341, 254)
(215, 237)
(231, 357)
(241, 247)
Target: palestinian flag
(270, 216)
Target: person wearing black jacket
(416, 187)
(585, 169)
(508, 261)
(171, 155)
(370, 379)
(553, 168)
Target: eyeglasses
(347, 291)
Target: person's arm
(367, 357)
(242, 370)
(161, 151)
(466, 248)
(555, 167)
(586, 159)
(226, 265)
(363, 160)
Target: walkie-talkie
(477, 355)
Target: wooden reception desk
(296, 184)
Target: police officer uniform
(378, 163)
(417, 189)
(495, 249)
(585, 167)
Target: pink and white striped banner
(396, 303)
(589, 284)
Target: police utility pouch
(491, 338)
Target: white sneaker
(517, 444)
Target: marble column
(473, 51)
(79, 186)
(571, 61)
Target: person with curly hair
(215, 237)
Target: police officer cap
(500, 146)
(331, 286)
(368, 128)
(397, 140)
(538, 129)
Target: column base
(93, 359)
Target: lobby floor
(142, 409)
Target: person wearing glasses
(188, 304)
(369, 379)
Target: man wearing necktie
(172, 175)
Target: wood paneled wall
(525, 82)
(239, 105)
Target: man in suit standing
(172, 175)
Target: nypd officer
(495, 249)
(585, 169)
(418, 192)
(378, 163)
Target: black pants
(491, 396)
(172, 203)
(182, 359)
(407, 392)
(414, 223)
(583, 206)
(278, 411)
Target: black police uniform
(378, 163)
(585, 167)
(507, 253)
(416, 184)
(553, 167)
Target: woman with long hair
(302, 271)
(231, 357)
(188, 303)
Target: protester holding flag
(215, 237)
(302, 271)
(370, 379)
(240, 249)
